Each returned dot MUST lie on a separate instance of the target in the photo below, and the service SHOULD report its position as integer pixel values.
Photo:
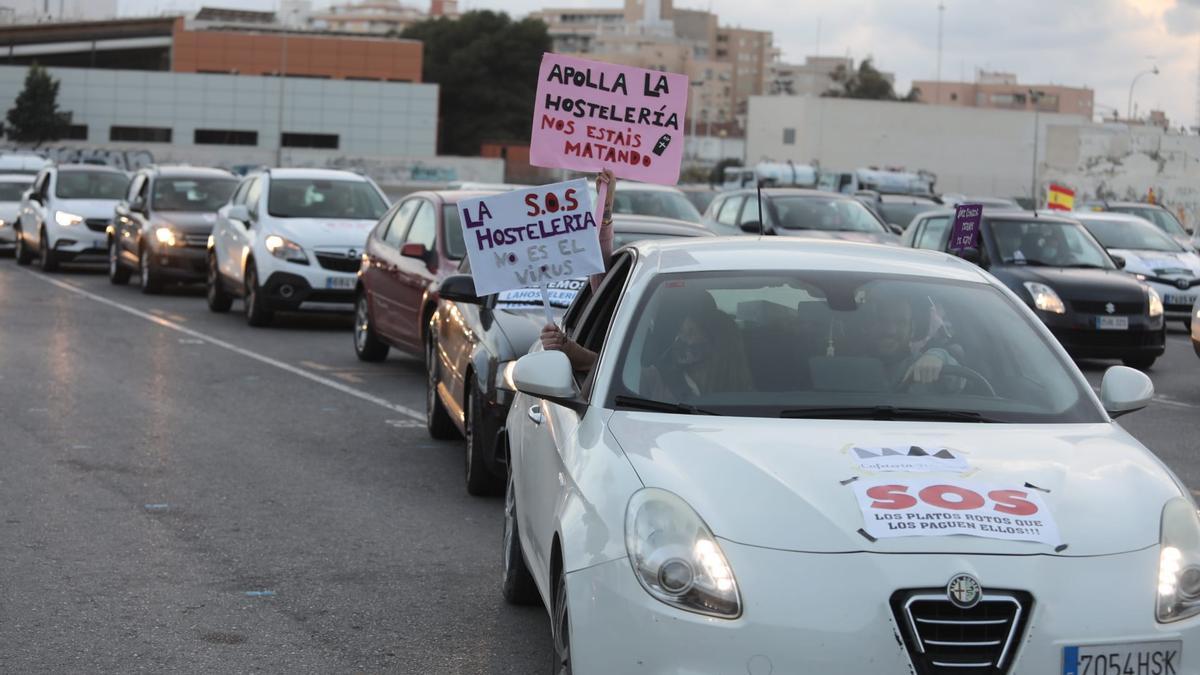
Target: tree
(486, 66)
(865, 83)
(35, 118)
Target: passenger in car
(694, 349)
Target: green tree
(35, 118)
(865, 83)
(486, 66)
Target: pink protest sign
(591, 116)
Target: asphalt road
(182, 492)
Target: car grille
(196, 240)
(942, 638)
(339, 263)
(97, 224)
(1101, 307)
(1134, 337)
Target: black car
(474, 338)
(1059, 270)
(797, 212)
(161, 228)
(897, 209)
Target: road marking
(1166, 400)
(314, 365)
(217, 342)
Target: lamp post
(1129, 106)
(1034, 98)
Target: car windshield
(842, 345)
(11, 192)
(660, 203)
(628, 237)
(91, 185)
(1047, 243)
(314, 198)
(191, 194)
(824, 213)
(902, 212)
(1162, 218)
(1125, 234)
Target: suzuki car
(821, 457)
(65, 215)
(291, 239)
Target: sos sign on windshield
(924, 508)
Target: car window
(729, 210)
(594, 323)
(398, 226)
(254, 195)
(658, 203)
(1133, 235)
(11, 192)
(750, 212)
(191, 194)
(143, 190)
(1047, 243)
(824, 213)
(320, 198)
(135, 186)
(822, 343)
(91, 185)
(933, 233)
(424, 226)
(902, 212)
(1162, 219)
(452, 232)
(239, 197)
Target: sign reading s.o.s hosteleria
(590, 116)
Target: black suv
(162, 225)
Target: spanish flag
(1059, 198)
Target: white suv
(291, 239)
(66, 213)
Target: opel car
(65, 215)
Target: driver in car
(910, 362)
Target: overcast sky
(1100, 44)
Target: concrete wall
(974, 151)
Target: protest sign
(590, 116)
(912, 458)
(965, 233)
(561, 294)
(531, 237)
(933, 508)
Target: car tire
(367, 345)
(257, 314)
(118, 275)
(1140, 362)
(437, 419)
(21, 251)
(560, 627)
(517, 583)
(219, 299)
(148, 278)
(481, 481)
(47, 260)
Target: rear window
(311, 198)
(91, 185)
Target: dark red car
(418, 242)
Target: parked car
(161, 228)
(699, 195)
(291, 239)
(1149, 254)
(1059, 270)
(25, 163)
(473, 339)
(698, 528)
(65, 215)
(1160, 217)
(896, 209)
(12, 188)
(794, 212)
(647, 199)
(416, 244)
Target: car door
(383, 255)
(221, 236)
(413, 275)
(239, 236)
(33, 208)
(130, 222)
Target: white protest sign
(531, 237)
(912, 458)
(561, 293)
(934, 508)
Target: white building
(36, 11)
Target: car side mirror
(546, 375)
(1125, 390)
(240, 213)
(459, 288)
(414, 250)
(1119, 260)
(752, 227)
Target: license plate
(1132, 658)
(1112, 322)
(1178, 299)
(340, 283)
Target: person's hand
(605, 177)
(926, 370)
(553, 338)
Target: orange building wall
(248, 53)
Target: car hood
(88, 208)
(314, 232)
(783, 483)
(1076, 283)
(1160, 263)
(190, 222)
(843, 235)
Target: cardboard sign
(965, 233)
(935, 508)
(913, 459)
(590, 116)
(561, 294)
(531, 237)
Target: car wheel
(256, 313)
(219, 299)
(561, 628)
(367, 345)
(437, 419)
(117, 274)
(517, 585)
(47, 260)
(22, 253)
(148, 278)
(481, 481)
(1140, 362)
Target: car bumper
(822, 613)
(288, 291)
(1079, 336)
(181, 264)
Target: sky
(1101, 44)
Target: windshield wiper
(1088, 266)
(638, 403)
(1032, 262)
(888, 413)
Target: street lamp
(1129, 107)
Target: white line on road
(165, 323)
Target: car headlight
(67, 219)
(676, 558)
(1156, 306)
(165, 236)
(285, 249)
(1179, 562)
(1044, 298)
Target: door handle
(535, 414)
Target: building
(1002, 91)
(378, 17)
(43, 11)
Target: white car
(798, 456)
(291, 239)
(648, 199)
(12, 191)
(65, 215)
(1153, 257)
